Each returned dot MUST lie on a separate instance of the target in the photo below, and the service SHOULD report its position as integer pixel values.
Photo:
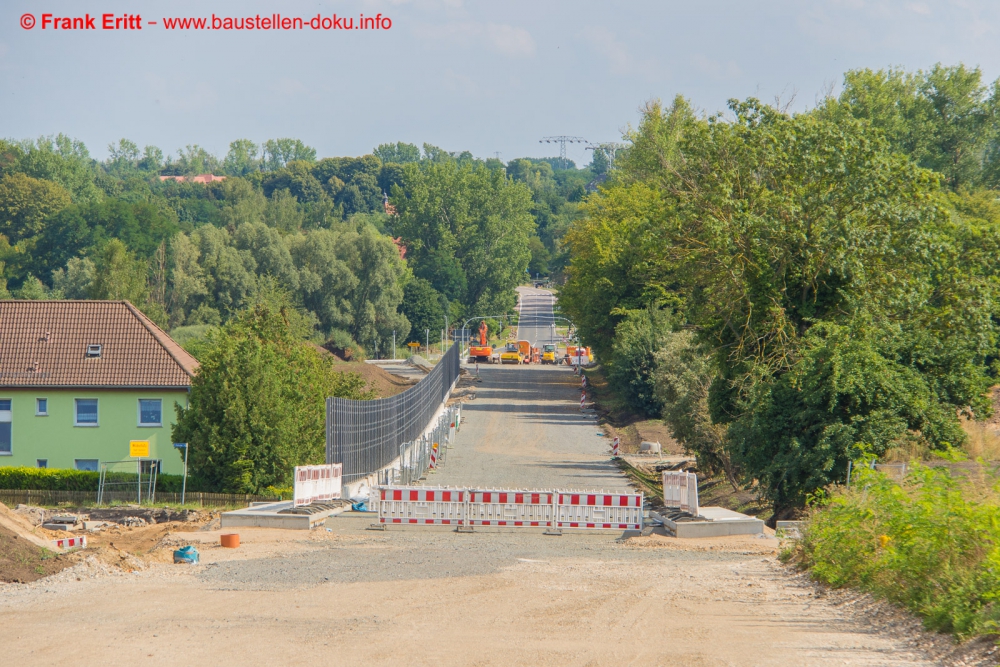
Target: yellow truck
(548, 354)
(511, 354)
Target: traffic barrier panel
(317, 484)
(421, 506)
(518, 508)
(601, 511)
(71, 542)
(680, 491)
(614, 447)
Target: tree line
(793, 291)
(462, 234)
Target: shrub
(44, 479)
(931, 545)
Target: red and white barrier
(71, 542)
(421, 506)
(511, 508)
(600, 510)
(583, 399)
(466, 508)
(680, 491)
(317, 484)
(614, 447)
(434, 456)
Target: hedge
(45, 479)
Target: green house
(81, 380)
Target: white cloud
(500, 37)
(510, 40)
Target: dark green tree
(257, 404)
(422, 307)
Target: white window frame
(42, 413)
(142, 424)
(76, 464)
(9, 420)
(76, 413)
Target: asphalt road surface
(536, 321)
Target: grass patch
(930, 544)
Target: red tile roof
(44, 344)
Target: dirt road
(348, 596)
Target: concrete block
(270, 515)
(789, 529)
(58, 526)
(715, 522)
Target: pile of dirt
(23, 561)
(384, 384)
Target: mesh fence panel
(365, 435)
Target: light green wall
(57, 439)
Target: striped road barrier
(607, 511)
(552, 509)
(71, 542)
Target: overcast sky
(464, 75)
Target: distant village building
(80, 379)
(200, 178)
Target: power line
(609, 148)
(562, 140)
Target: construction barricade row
(551, 509)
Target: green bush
(44, 479)
(931, 545)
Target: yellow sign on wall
(138, 448)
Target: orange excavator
(482, 352)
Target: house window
(93, 351)
(41, 407)
(41, 463)
(150, 412)
(6, 448)
(90, 465)
(86, 412)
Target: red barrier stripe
(413, 520)
(608, 501)
(397, 494)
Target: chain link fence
(365, 436)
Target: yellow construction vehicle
(511, 354)
(548, 354)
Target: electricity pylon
(562, 140)
(610, 149)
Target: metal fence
(365, 436)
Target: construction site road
(345, 595)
